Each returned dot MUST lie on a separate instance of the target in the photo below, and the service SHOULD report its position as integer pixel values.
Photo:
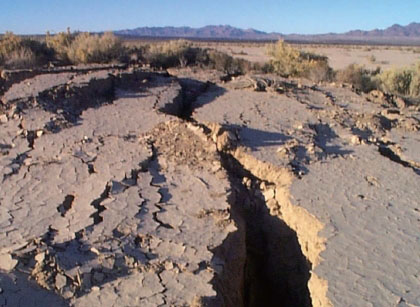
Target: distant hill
(396, 34)
(410, 31)
(207, 32)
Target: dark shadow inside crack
(276, 273)
(390, 154)
(66, 205)
(17, 290)
(194, 94)
(80, 264)
(325, 135)
(67, 102)
(255, 138)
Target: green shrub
(361, 78)
(288, 61)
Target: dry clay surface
(123, 187)
(106, 201)
(355, 160)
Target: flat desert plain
(340, 56)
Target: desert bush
(357, 75)
(92, 48)
(171, 54)
(289, 61)
(372, 59)
(396, 81)
(16, 52)
(402, 81)
(61, 44)
(415, 82)
(224, 62)
(181, 53)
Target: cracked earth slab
(273, 192)
(346, 175)
(124, 206)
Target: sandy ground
(339, 56)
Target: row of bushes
(80, 48)
(85, 48)
(288, 61)
(16, 52)
(398, 81)
(182, 53)
(67, 48)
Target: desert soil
(126, 187)
(385, 57)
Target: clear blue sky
(288, 16)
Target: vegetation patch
(16, 52)
(357, 75)
(288, 61)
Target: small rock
(377, 94)
(95, 251)
(7, 263)
(355, 140)
(169, 265)
(246, 182)
(272, 204)
(40, 257)
(60, 281)
(95, 288)
(3, 119)
(399, 102)
(67, 294)
(269, 194)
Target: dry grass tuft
(357, 75)
(170, 54)
(289, 61)
(16, 52)
(402, 81)
(86, 48)
(60, 43)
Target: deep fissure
(276, 272)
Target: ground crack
(97, 218)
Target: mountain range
(394, 34)
(207, 32)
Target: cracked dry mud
(124, 187)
